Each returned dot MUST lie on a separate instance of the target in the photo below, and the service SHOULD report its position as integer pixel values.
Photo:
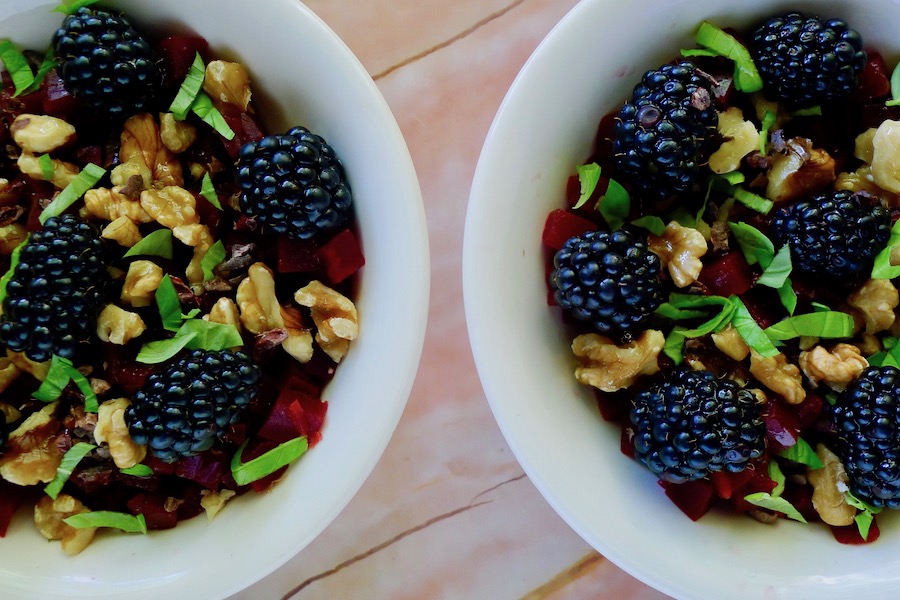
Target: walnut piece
(119, 326)
(140, 141)
(843, 365)
(176, 135)
(829, 484)
(170, 206)
(780, 376)
(298, 342)
(886, 156)
(11, 236)
(335, 316)
(609, 367)
(8, 372)
(32, 456)
(112, 430)
(213, 502)
(224, 311)
(40, 134)
(48, 518)
(802, 170)
(141, 281)
(228, 82)
(741, 138)
(876, 300)
(110, 204)
(63, 172)
(38, 369)
(679, 249)
(730, 342)
(199, 237)
(123, 231)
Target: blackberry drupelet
(836, 234)
(660, 134)
(692, 424)
(608, 278)
(183, 409)
(106, 61)
(294, 184)
(806, 61)
(866, 417)
(56, 290)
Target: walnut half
(679, 249)
(609, 367)
(829, 484)
(779, 375)
(843, 365)
(48, 517)
(335, 317)
(112, 430)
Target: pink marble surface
(447, 512)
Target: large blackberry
(659, 137)
(866, 417)
(805, 61)
(183, 409)
(836, 234)
(693, 424)
(106, 61)
(293, 184)
(55, 291)
(608, 278)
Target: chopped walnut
(886, 156)
(335, 316)
(110, 204)
(170, 206)
(228, 82)
(63, 172)
(40, 134)
(800, 171)
(8, 372)
(861, 180)
(868, 344)
(298, 342)
(256, 299)
(876, 301)
(48, 518)
(124, 173)
(123, 231)
(141, 281)
(32, 456)
(176, 135)
(741, 138)
(213, 502)
(140, 140)
(680, 249)
(112, 430)
(829, 484)
(843, 365)
(199, 237)
(38, 369)
(9, 413)
(224, 311)
(864, 145)
(730, 342)
(780, 376)
(11, 236)
(609, 367)
(118, 325)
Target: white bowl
(308, 77)
(585, 68)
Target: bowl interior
(585, 68)
(302, 75)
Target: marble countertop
(448, 511)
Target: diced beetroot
(603, 146)
(763, 306)
(296, 256)
(10, 498)
(282, 424)
(246, 129)
(257, 447)
(613, 407)
(154, 510)
(177, 54)
(760, 482)
(190, 507)
(206, 469)
(726, 483)
(626, 442)
(728, 275)
(160, 467)
(874, 81)
(123, 370)
(850, 534)
(800, 497)
(341, 256)
(209, 214)
(562, 225)
(809, 410)
(694, 498)
(782, 425)
(56, 98)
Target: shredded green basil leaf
(213, 258)
(752, 201)
(688, 52)
(674, 346)
(588, 178)
(69, 461)
(732, 177)
(777, 272)
(766, 500)
(768, 121)
(866, 515)
(169, 305)
(746, 77)
(756, 247)
(69, 7)
(46, 165)
(17, 66)
(696, 301)
(825, 324)
(882, 267)
(615, 205)
(45, 67)
(750, 331)
(895, 87)
(788, 296)
(206, 335)
(56, 380)
(683, 217)
(811, 111)
(159, 351)
(266, 464)
(190, 87)
(651, 223)
(208, 191)
(105, 518)
(138, 470)
(157, 243)
(13, 261)
(778, 477)
(85, 180)
(802, 453)
(203, 107)
(668, 311)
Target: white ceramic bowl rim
(325, 88)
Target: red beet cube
(728, 275)
(296, 256)
(760, 482)
(246, 129)
(341, 256)
(726, 483)
(154, 510)
(206, 469)
(177, 53)
(10, 497)
(562, 225)
(850, 534)
(56, 98)
(809, 410)
(874, 81)
(694, 498)
(782, 425)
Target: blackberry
(660, 134)
(183, 409)
(293, 184)
(866, 417)
(836, 234)
(56, 290)
(106, 61)
(692, 424)
(806, 61)
(608, 278)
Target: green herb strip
(615, 205)
(266, 464)
(802, 453)
(71, 6)
(194, 334)
(588, 177)
(766, 500)
(768, 121)
(811, 111)
(159, 351)
(190, 88)
(60, 373)
(104, 518)
(157, 243)
(788, 296)
(866, 515)
(69, 461)
(169, 305)
(137, 471)
(778, 477)
(778, 270)
(213, 258)
(46, 165)
(752, 201)
(882, 268)
(208, 191)
(203, 108)
(895, 87)
(13, 261)
(688, 52)
(750, 331)
(889, 357)
(651, 223)
(684, 306)
(17, 66)
(756, 247)
(746, 76)
(826, 324)
(85, 180)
